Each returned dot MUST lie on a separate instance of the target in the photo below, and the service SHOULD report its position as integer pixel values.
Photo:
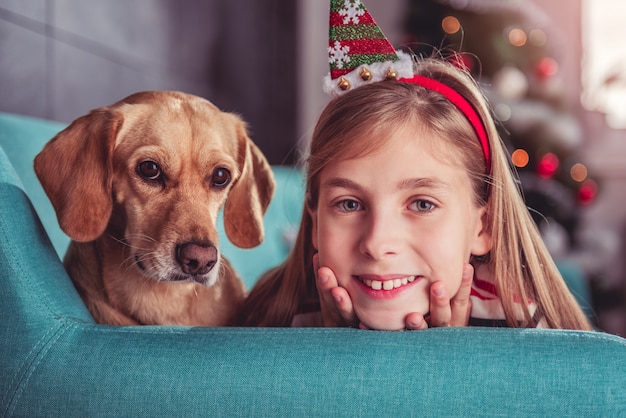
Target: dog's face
(173, 168)
(154, 170)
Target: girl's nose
(380, 236)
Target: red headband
(463, 105)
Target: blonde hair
(359, 121)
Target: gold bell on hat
(343, 84)
(391, 74)
(365, 74)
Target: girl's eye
(349, 205)
(150, 170)
(220, 177)
(422, 206)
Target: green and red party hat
(358, 51)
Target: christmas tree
(506, 46)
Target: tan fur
(127, 231)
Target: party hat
(358, 51)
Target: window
(604, 59)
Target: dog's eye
(220, 177)
(149, 170)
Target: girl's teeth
(388, 284)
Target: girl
(412, 149)
(386, 242)
(407, 181)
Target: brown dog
(137, 186)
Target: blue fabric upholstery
(55, 361)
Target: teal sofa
(55, 361)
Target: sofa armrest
(22, 137)
(35, 285)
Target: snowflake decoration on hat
(338, 55)
(351, 11)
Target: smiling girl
(395, 220)
(407, 180)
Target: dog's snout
(195, 258)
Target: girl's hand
(337, 310)
(335, 302)
(446, 312)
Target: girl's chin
(387, 321)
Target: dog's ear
(250, 196)
(75, 169)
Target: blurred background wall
(61, 58)
(265, 59)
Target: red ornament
(463, 61)
(546, 67)
(548, 165)
(587, 192)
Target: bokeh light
(517, 37)
(537, 37)
(547, 166)
(547, 67)
(520, 158)
(587, 192)
(578, 172)
(503, 112)
(450, 25)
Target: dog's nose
(196, 258)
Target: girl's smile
(394, 221)
(386, 287)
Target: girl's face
(391, 223)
